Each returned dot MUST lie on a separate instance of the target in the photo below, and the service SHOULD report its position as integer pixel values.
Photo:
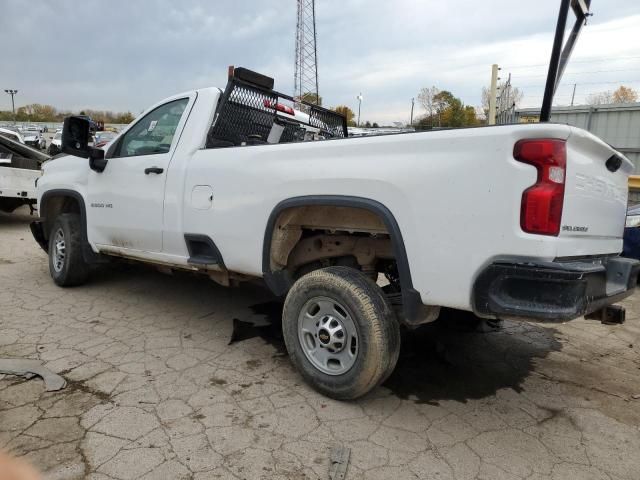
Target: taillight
(541, 209)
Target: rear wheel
(66, 263)
(340, 332)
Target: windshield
(57, 136)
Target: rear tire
(66, 262)
(340, 332)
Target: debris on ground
(339, 459)
(28, 368)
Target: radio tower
(306, 69)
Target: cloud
(126, 55)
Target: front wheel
(66, 263)
(340, 332)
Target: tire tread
(76, 270)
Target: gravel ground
(174, 377)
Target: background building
(617, 124)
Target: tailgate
(595, 201)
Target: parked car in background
(12, 133)
(102, 138)
(631, 244)
(55, 145)
(34, 138)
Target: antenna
(306, 63)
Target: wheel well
(306, 234)
(368, 224)
(55, 205)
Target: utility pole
(13, 105)
(573, 95)
(413, 101)
(359, 97)
(492, 94)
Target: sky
(126, 55)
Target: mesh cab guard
(247, 112)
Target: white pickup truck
(516, 221)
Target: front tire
(66, 263)
(340, 332)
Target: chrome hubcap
(328, 335)
(59, 250)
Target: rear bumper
(553, 291)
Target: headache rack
(250, 112)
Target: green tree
(443, 102)
(347, 113)
(470, 117)
(123, 118)
(448, 111)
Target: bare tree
(600, 98)
(514, 95)
(426, 99)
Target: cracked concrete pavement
(155, 390)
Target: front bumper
(553, 291)
(37, 230)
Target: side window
(153, 133)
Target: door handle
(149, 170)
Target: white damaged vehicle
(19, 171)
(235, 185)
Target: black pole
(552, 75)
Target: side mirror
(97, 161)
(76, 133)
(75, 137)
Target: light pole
(359, 97)
(413, 101)
(13, 105)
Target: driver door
(125, 207)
